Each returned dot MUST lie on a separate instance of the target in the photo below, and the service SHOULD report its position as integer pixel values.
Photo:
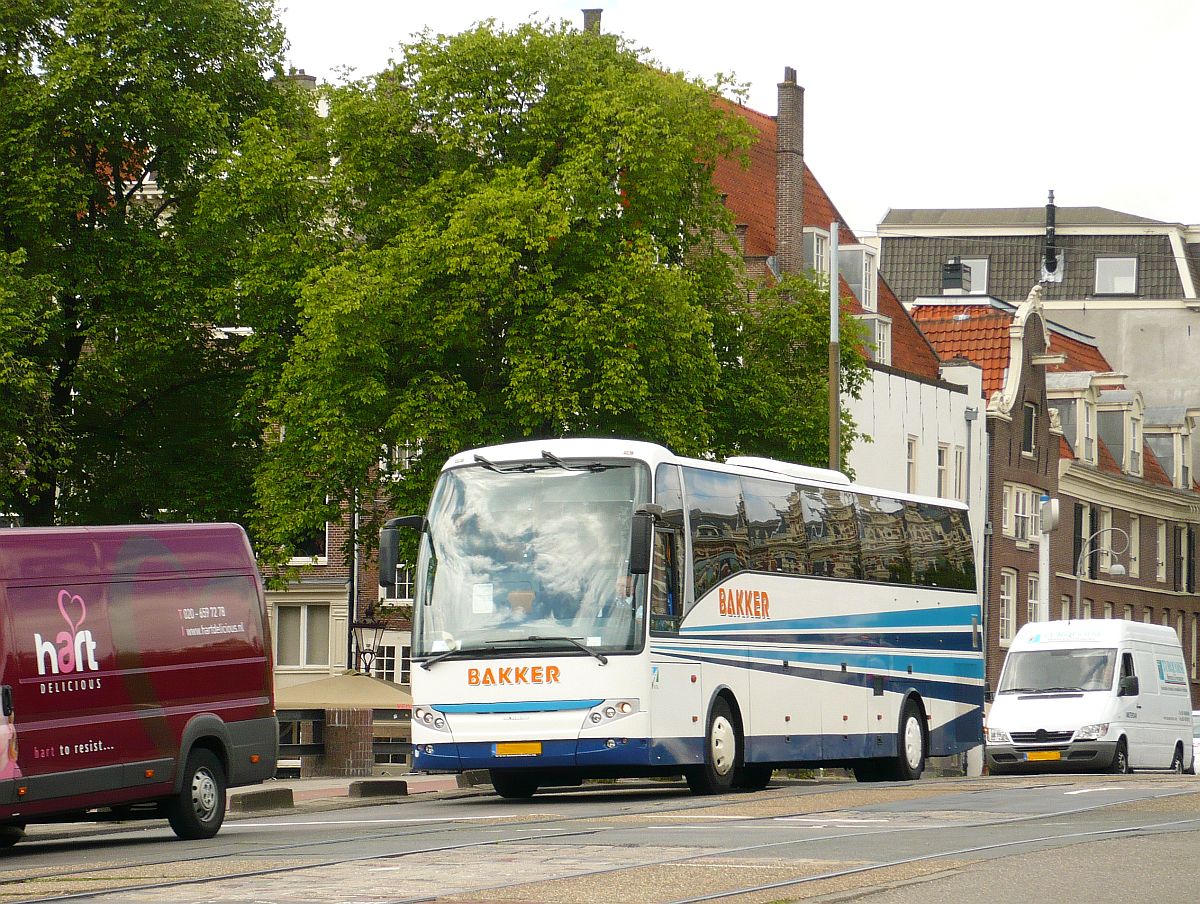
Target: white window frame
(1111, 282)
(1128, 612)
(1108, 610)
(1160, 552)
(1029, 427)
(307, 614)
(1088, 426)
(383, 665)
(910, 463)
(1020, 512)
(978, 267)
(943, 470)
(315, 559)
(1033, 610)
(1008, 606)
(1085, 609)
(1148, 615)
(1064, 603)
(1135, 446)
(820, 245)
(1135, 546)
(1105, 539)
(960, 473)
(1195, 645)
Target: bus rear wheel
(754, 777)
(722, 753)
(513, 785)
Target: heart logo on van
(67, 599)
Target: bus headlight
(1091, 732)
(428, 717)
(998, 736)
(610, 710)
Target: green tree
(132, 401)
(540, 252)
(775, 372)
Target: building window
(1029, 429)
(1185, 461)
(856, 264)
(312, 549)
(1166, 618)
(404, 582)
(302, 635)
(1085, 611)
(1195, 645)
(816, 251)
(943, 470)
(960, 474)
(1008, 606)
(1135, 446)
(384, 664)
(398, 458)
(1116, 276)
(1160, 552)
(1135, 546)
(910, 463)
(1148, 615)
(1128, 612)
(405, 664)
(1179, 627)
(1019, 511)
(1108, 610)
(1089, 432)
(1064, 607)
(1034, 607)
(1105, 539)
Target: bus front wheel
(513, 785)
(722, 753)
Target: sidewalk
(284, 794)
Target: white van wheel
(1120, 760)
(1177, 760)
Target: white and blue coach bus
(600, 608)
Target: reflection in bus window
(720, 543)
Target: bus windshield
(531, 557)
(1047, 671)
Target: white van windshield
(1048, 671)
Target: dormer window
(1135, 446)
(1173, 451)
(976, 277)
(879, 338)
(816, 250)
(1116, 276)
(856, 264)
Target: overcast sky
(926, 103)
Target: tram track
(599, 826)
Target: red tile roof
(750, 196)
(979, 332)
(1152, 471)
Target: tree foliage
(127, 399)
(537, 232)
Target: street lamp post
(1116, 569)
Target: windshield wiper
(451, 654)
(594, 466)
(571, 640)
(1041, 690)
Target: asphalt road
(1080, 838)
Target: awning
(349, 690)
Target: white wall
(893, 407)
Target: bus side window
(666, 585)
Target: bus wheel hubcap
(912, 742)
(723, 745)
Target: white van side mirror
(1128, 687)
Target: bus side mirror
(1129, 686)
(641, 538)
(389, 550)
(6, 701)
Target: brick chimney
(591, 20)
(789, 175)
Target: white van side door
(1129, 711)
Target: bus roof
(654, 454)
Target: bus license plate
(519, 748)
(1043, 755)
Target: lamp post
(1116, 569)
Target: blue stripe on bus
(530, 706)
(955, 666)
(926, 640)
(938, 617)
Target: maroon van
(135, 675)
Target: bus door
(676, 691)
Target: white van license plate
(1043, 755)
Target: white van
(1091, 695)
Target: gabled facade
(923, 416)
(1062, 424)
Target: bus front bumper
(581, 753)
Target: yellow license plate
(519, 748)
(1043, 755)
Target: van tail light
(254, 758)
(149, 773)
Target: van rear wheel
(10, 835)
(199, 809)
(1177, 761)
